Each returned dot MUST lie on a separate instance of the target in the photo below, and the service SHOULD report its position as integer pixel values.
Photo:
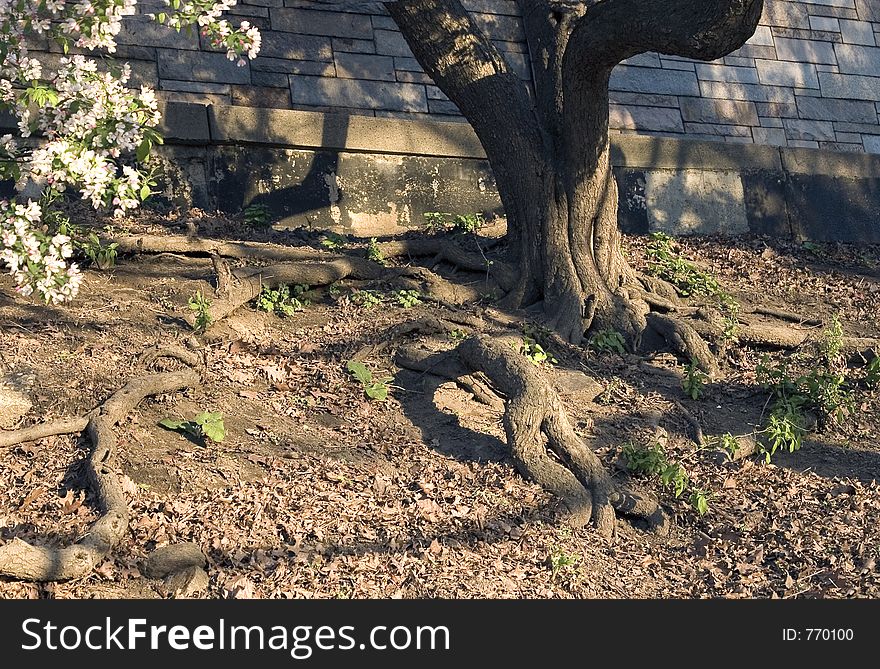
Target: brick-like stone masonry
(809, 77)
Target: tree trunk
(549, 148)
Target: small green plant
(786, 428)
(665, 262)
(699, 501)
(333, 241)
(439, 221)
(608, 341)
(814, 248)
(832, 342)
(436, 221)
(730, 314)
(675, 478)
(535, 352)
(468, 222)
(408, 298)
(457, 335)
(257, 216)
(367, 299)
(374, 388)
(200, 305)
(652, 461)
(206, 425)
(822, 390)
(374, 251)
(828, 395)
(284, 300)
(727, 443)
(103, 256)
(694, 380)
(561, 561)
(872, 373)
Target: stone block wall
(313, 57)
(809, 77)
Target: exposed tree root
(659, 287)
(189, 358)
(431, 283)
(769, 335)
(444, 250)
(535, 421)
(64, 426)
(432, 325)
(655, 301)
(21, 560)
(698, 437)
(421, 360)
(248, 283)
(441, 249)
(783, 315)
(211, 247)
(682, 337)
(317, 268)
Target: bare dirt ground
(317, 491)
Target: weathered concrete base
(695, 201)
(361, 194)
(366, 194)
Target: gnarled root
(247, 284)
(682, 337)
(50, 429)
(304, 265)
(535, 421)
(444, 250)
(152, 244)
(21, 560)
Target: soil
(317, 491)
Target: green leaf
(360, 371)
(143, 150)
(172, 424)
(377, 391)
(214, 431)
(160, 17)
(145, 191)
(207, 417)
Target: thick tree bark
(549, 148)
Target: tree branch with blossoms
(82, 130)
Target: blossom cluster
(94, 119)
(37, 261)
(237, 41)
(94, 131)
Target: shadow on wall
(290, 183)
(690, 187)
(356, 189)
(679, 187)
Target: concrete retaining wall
(379, 176)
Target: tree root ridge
(446, 251)
(22, 560)
(682, 337)
(535, 421)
